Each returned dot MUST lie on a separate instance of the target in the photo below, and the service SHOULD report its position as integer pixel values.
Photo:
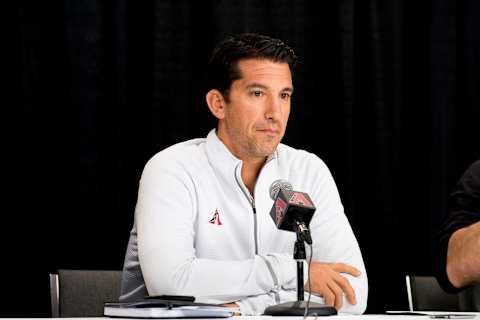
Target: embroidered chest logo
(216, 218)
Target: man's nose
(274, 108)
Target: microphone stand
(297, 308)
(299, 254)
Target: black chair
(81, 293)
(424, 294)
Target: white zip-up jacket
(199, 232)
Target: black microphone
(291, 210)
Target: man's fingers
(347, 288)
(338, 293)
(329, 297)
(328, 281)
(346, 268)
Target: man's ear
(216, 103)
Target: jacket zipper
(255, 225)
(251, 200)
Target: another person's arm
(463, 257)
(459, 240)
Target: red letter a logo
(216, 218)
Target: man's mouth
(269, 131)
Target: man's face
(257, 110)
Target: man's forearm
(463, 257)
(207, 280)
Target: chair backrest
(424, 293)
(81, 293)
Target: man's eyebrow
(256, 85)
(261, 86)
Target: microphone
(291, 210)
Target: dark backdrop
(386, 94)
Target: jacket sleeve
(166, 220)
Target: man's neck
(251, 165)
(250, 171)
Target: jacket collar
(218, 154)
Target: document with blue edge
(165, 309)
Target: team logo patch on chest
(216, 218)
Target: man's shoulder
(182, 154)
(298, 157)
(474, 170)
(469, 181)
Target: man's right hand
(327, 282)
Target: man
(202, 218)
(460, 241)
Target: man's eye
(257, 93)
(285, 96)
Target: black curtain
(386, 94)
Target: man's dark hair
(223, 66)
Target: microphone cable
(309, 284)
